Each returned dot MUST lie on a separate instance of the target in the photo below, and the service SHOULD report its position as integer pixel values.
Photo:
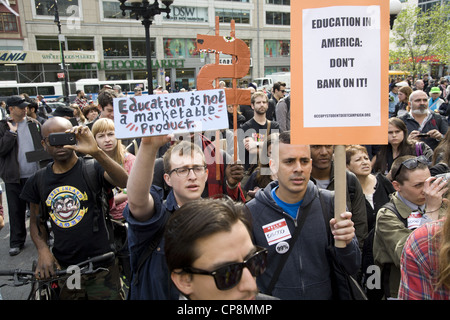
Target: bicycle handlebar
(96, 259)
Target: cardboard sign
(340, 52)
(161, 114)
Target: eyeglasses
(184, 172)
(410, 164)
(230, 275)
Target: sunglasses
(230, 275)
(410, 164)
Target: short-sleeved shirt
(72, 213)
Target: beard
(421, 110)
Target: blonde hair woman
(104, 133)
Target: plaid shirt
(419, 265)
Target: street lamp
(61, 52)
(395, 6)
(143, 9)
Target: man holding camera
(418, 199)
(64, 194)
(15, 141)
(422, 124)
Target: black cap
(63, 111)
(17, 101)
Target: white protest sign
(342, 86)
(161, 114)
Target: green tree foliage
(418, 36)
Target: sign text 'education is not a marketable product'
(343, 83)
(162, 114)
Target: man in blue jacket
(275, 214)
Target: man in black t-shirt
(254, 132)
(79, 232)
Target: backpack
(368, 260)
(101, 194)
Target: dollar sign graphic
(239, 68)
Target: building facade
(99, 42)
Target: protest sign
(161, 114)
(339, 68)
(340, 52)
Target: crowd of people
(200, 224)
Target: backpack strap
(282, 261)
(43, 211)
(151, 247)
(100, 199)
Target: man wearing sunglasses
(147, 212)
(210, 253)
(418, 199)
(277, 213)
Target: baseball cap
(17, 101)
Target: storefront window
(115, 48)
(138, 48)
(239, 16)
(277, 48)
(66, 8)
(180, 48)
(47, 43)
(80, 44)
(111, 10)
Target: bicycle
(48, 289)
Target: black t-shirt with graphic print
(71, 209)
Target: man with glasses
(418, 199)
(147, 213)
(210, 253)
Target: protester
(393, 100)
(104, 133)
(16, 140)
(322, 175)
(81, 99)
(78, 114)
(255, 131)
(147, 212)
(283, 113)
(91, 113)
(425, 264)
(278, 92)
(435, 102)
(376, 188)
(402, 106)
(421, 121)
(262, 175)
(31, 112)
(398, 145)
(418, 200)
(74, 211)
(210, 253)
(306, 273)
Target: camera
(423, 135)
(61, 139)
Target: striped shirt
(419, 265)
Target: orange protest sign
(339, 68)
